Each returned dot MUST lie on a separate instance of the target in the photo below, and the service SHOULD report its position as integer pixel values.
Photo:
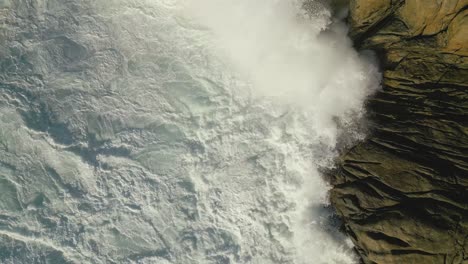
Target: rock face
(403, 192)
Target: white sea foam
(265, 82)
(302, 68)
(213, 119)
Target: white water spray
(278, 79)
(212, 120)
(301, 62)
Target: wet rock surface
(403, 191)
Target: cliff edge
(402, 193)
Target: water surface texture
(169, 131)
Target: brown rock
(423, 17)
(366, 13)
(403, 193)
(457, 36)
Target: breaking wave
(181, 132)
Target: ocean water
(171, 131)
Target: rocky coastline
(402, 193)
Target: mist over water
(301, 67)
(212, 120)
(296, 72)
(293, 53)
